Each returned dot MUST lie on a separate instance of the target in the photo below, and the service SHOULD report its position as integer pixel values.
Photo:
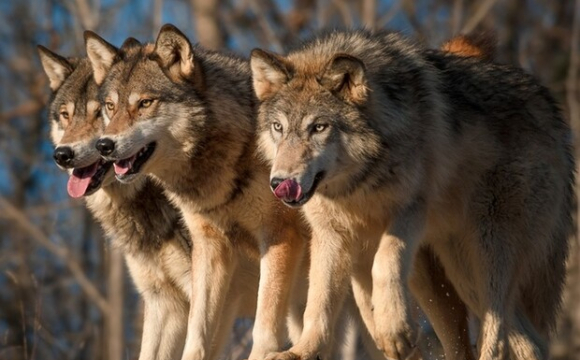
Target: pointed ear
(56, 67)
(174, 53)
(269, 73)
(345, 76)
(101, 54)
(130, 44)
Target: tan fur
(441, 166)
(139, 220)
(481, 45)
(205, 158)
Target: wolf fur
(138, 218)
(415, 161)
(196, 106)
(481, 45)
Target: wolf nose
(275, 182)
(63, 155)
(105, 146)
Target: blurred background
(64, 293)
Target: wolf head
(351, 107)
(313, 122)
(76, 123)
(147, 92)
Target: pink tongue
(123, 166)
(80, 179)
(288, 190)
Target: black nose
(275, 182)
(63, 155)
(105, 146)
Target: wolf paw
(289, 355)
(286, 355)
(400, 346)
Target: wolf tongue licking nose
(289, 190)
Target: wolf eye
(145, 103)
(64, 115)
(110, 106)
(277, 126)
(320, 127)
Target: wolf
(185, 116)
(137, 217)
(422, 170)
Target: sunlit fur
(204, 160)
(459, 166)
(202, 119)
(142, 223)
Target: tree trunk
(207, 27)
(114, 335)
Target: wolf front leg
(281, 255)
(213, 264)
(395, 331)
(165, 315)
(362, 281)
(362, 291)
(164, 327)
(330, 271)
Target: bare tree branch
(156, 20)
(301, 15)
(369, 13)
(88, 16)
(480, 13)
(389, 15)
(456, 16)
(345, 12)
(114, 321)
(27, 108)
(261, 14)
(61, 252)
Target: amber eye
(320, 127)
(64, 115)
(145, 103)
(277, 126)
(110, 106)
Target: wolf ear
(101, 54)
(174, 53)
(269, 73)
(345, 76)
(130, 44)
(55, 66)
